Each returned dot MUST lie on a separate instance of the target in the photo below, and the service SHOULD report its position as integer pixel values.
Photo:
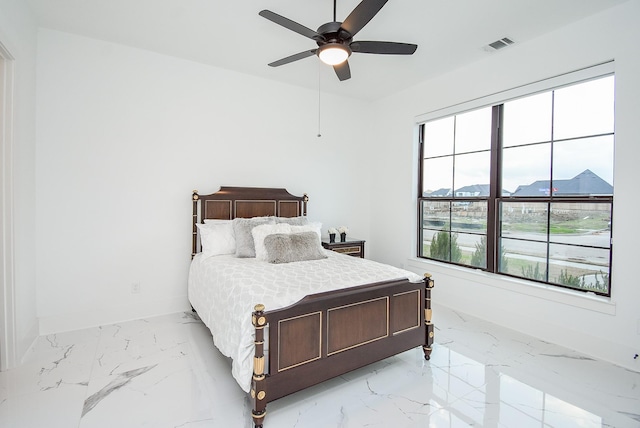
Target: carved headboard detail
(244, 202)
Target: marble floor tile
(165, 372)
(52, 408)
(54, 360)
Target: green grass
(541, 228)
(563, 228)
(466, 255)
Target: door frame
(7, 286)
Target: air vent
(499, 44)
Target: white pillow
(261, 232)
(313, 226)
(217, 238)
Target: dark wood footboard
(328, 334)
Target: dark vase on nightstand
(332, 237)
(343, 237)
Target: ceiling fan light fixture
(333, 53)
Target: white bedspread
(224, 290)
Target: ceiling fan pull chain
(319, 134)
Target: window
(523, 187)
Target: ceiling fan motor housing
(332, 32)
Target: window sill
(577, 299)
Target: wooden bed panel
(288, 208)
(365, 321)
(299, 340)
(406, 308)
(248, 209)
(217, 209)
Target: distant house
(473, 190)
(585, 183)
(464, 192)
(443, 193)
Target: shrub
(445, 247)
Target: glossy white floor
(165, 372)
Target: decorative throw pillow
(261, 232)
(217, 238)
(293, 247)
(293, 221)
(244, 239)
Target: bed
(288, 324)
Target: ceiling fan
(335, 39)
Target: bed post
(194, 236)
(258, 383)
(305, 199)
(428, 340)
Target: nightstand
(353, 247)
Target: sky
(579, 118)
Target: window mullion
(420, 190)
(421, 157)
(494, 189)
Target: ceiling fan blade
(361, 15)
(292, 58)
(291, 25)
(343, 71)
(388, 48)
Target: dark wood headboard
(245, 202)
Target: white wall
(125, 135)
(18, 35)
(600, 327)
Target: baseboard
(591, 346)
(524, 309)
(26, 342)
(95, 317)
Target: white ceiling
(232, 35)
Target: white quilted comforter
(224, 290)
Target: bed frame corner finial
(195, 195)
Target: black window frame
(496, 198)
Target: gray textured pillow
(244, 239)
(293, 221)
(293, 247)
